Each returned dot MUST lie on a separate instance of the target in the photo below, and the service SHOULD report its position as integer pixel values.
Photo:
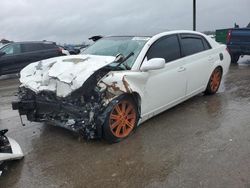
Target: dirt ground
(203, 142)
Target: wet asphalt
(203, 142)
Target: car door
(9, 62)
(198, 60)
(165, 87)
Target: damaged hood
(62, 75)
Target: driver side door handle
(181, 69)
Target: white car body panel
(158, 89)
(16, 151)
(151, 85)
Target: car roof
(30, 42)
(161, 33)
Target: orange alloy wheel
(122, 119)
(215, 80)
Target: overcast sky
(76, 20)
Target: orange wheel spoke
(122, 119)
(129, 124)
(118, 110)
(114, 117)
(215, 80)
(128, 110)
(115, 124)
(124, 129)
(124, 107)
(118, 130)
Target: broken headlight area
(79, 113)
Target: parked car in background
(1, 45)
(238, 43)
(120, 82)
(16, 55)
(64, 51)
(72, 49)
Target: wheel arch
(220, 67)
(137, 98)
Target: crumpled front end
(83, 109)
(77, 112)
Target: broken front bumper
(23, 106)
(74, 114)
(45, 107)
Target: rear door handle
(181, 69)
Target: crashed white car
(119, 82)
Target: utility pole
(194, 15)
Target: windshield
(112, 46)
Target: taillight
(229, 35)
(60, 50)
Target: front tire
(121, 119)
(214, 81)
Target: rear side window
(49, 46)
(167, 47)
(192, 45)
(206, 44)
(30, 47)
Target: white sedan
(119, 82)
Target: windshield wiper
(121, 59)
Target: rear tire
(214, 81)
(234, 58)
(121, 119)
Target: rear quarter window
(207, 46)
(31, 47)
(192, 45)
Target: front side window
(192, 45)
(167, 47)
(112, 46)
(11, 49)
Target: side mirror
(2, 53)
(153, 64)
